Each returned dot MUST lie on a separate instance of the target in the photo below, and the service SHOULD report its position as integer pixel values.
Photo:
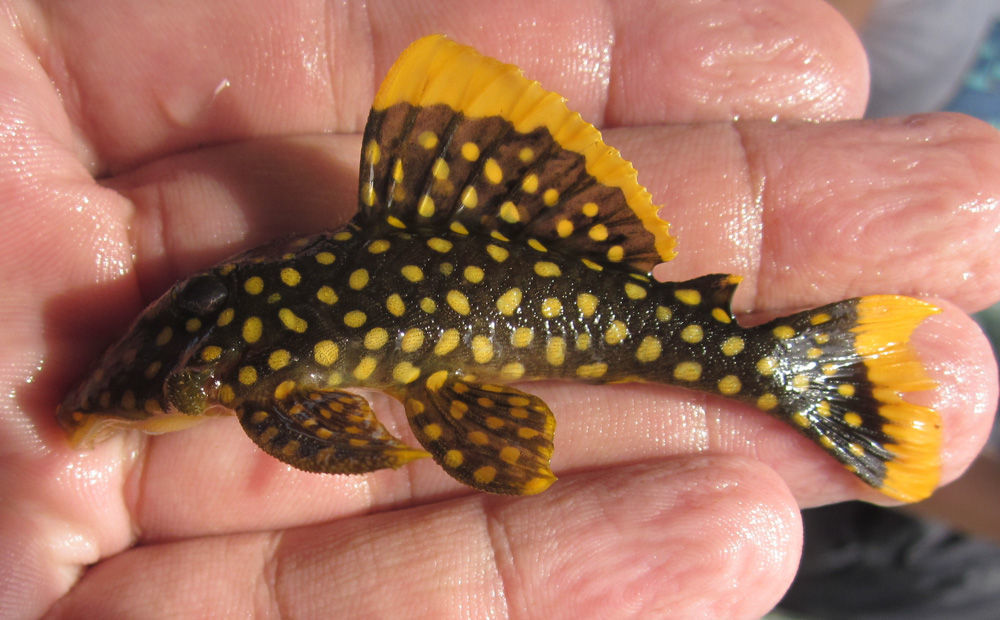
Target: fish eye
(201, 294)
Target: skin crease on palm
(144, 141)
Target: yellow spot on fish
(368, 195)
(355, 318)
(485, 474)
(284, 389)
(211, 353)
(153, 369)
(688, 296)
(591, 264)
(290, 276)
(823, 408)
(634, 291)
(253, 327)
(616, 253)
(497, 253)
(326, 295)
(616, 332)
(510, 454)
(592, 371)
(291, 321)
(822, 338)
(492, 171)
(663, 313)
(225, 317)
(192, 325)
(453, 458)
(439, 245)
(428, 305)
(482, 349)
(819, 319)
(767, 401)
(522, 337)
(325, 352)
(721, 315)
(440, 169)
(783, 332)
(846, 390)
(365, 368)
(551, 308)
(729, 385)
(412, 340)
(458, 227)
(598, 232)
(397, 171)
(829, 369)
(412, 273)
(583, 341)
(427, 139)
(164, 336)
(470, 198)
(800, 419)
(732, 346)
(274, 298)
(550, 197)
(526, 154)
(766, 366)
(473, 274)
(555, 351)
(590, 209)
(530, 183)
(508, 303)
(395, 305)
(376, 338)
(432, 431)
(405, 372)
(512, 371)
(649, 349)
(814, 352)
(395, 222)
(378, 246)
(564, 228)
(358, 279)
(479, 438)
(856, 449)
(372, 153)
(343, 235)
(692, 334)
(509, 213)
(426, 206)
(279, 359)
(537, 245)
(800, 382)
(458, 302)
(447, 343)
(547, 269)
(587, 303)
(826, 442)
(470, 151)
(852, 419)
(687, 371)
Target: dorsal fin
(461, 141)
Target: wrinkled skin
(142, 142)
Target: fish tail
(838, 374)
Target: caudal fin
(842, 371)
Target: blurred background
(939, 558)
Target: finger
(705, 535)
(210, 77)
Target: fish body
(498, 240)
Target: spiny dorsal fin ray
(458, 140)
(492, 437)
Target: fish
(498, 241)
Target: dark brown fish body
(485, 254)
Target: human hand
(216, 126)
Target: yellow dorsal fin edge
(436, 70)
